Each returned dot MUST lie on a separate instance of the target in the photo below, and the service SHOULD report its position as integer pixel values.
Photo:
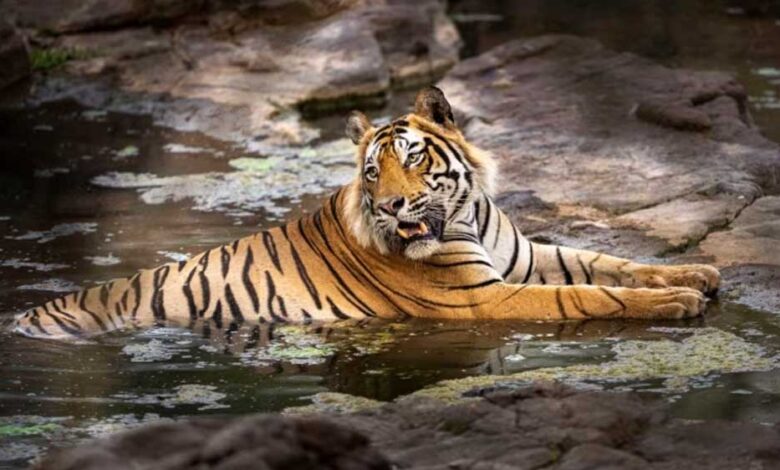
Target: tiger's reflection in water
(382, 360)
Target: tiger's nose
(392, 205)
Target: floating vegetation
(180, 148)
(107, 260)
(680, 363)
(51, 285)
(188, 394)
(152, 351)
(60, 230)
(126, 152)
(252, 187)
(330, 402)
(174, 255)
(24, 429)
(293, 344)
(17, 263)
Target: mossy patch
(19, 430)
(330, 402)
(706, 351)
(44, 60)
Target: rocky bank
(538, 426)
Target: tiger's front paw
(701, 277)
(665, 303)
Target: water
(63, 226)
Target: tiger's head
(416, 175)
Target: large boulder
(13, 56)
(535, 426)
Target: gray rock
(560, 114)
(64, 16)
(245, 76)
(549, 426)
(753, 238)
(13, 56)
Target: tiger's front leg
(536, 302)
(561, 265)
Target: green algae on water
(18, 430)
(706, 351)
(338, 403)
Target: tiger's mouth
(424, 229)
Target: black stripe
(217, 315)
(336, 311)
(271, 295)
(235, 310)
(158, 304)
(321, 231)
(530, 263)
(310, 287)
(306, 316)
(66, 328)
(204, 283)
(187, 289)
(37, 323)
(588, 280)
(515, 254)
(104, 292)
(247, 280)
(498, 231)
(561, 310)
(64, 305)
(270, 246)
(224, 258)
(135, 284)
(66, 316)
(83, 306)
(124, 300)
(475, 286)
(611, 296)
(460, 263)
(566, 273)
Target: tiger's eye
(372, 173)
(414, 158)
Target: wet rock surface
(622, 154)
(244, 71)
(13, 56)
(545, 425)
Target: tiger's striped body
(444, 251)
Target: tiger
(416, 233)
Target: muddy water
(87, 196)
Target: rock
(542, 425)
(245, 76)
(13, 56)
(259, 441)
(64, 16)
(583, 126)
(754, 285)
(752, 238)
(687, 220)
(556, 110)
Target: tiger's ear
(357, 126)
(433, 106)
